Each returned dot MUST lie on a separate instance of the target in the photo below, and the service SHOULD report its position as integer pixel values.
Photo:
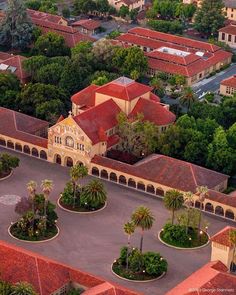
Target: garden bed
(120, 271)
(51, 233)
(193, 241)
(4, 175)
(79, 209)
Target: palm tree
(31, 187)
(94, 193)
(173, 201)
(232, 239)
(188, 201)
(5, 288)
(142, 217)
(188, 97)
(23, 288)
(202, 193)
(129, 229)
(157, 84)
(77, 172)
(47, 186)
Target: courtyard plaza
(92, 242)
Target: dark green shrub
(154, 264)
(175, 234)
(67, 195)
(135, 260)
(123, 255)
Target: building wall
(139, 4)
(228, 39)
(222, 253)
(226, 90)
(230, 13)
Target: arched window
(104, 174)
(69, 141)
(57, 159)
(209, 207)
(150, 189)
(229, 214)
(18, 147)
(160, 191)
(10, 144)
(69, 162)
(26, 149)
(43, 155)
(219, 211)
(35, 152)
(95, 171)
(131, 183)
(113, 177)
(2, 142)
(141, 186)
(122, 179)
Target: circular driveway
(92, 242)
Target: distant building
(227, 35)
(131, 4)
(230, 9)
(228, 86)
(10, 63)
(87, 26)
(44, 16)
(172, 54)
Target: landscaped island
(7, 163)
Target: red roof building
(227, 35)
(176, 55)
(13, 64)
(87, 26)
(222, 237)
(228, 86)
(48, 276)
(53, 18)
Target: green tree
(93, 194)
(51, 44)
(232, 239)
(129, 229)
(47, 186)
(231, 136)
(23, 288)
(210, 17)
(84, 6)
(8, 162)
(50, 74)
(100, 80)
(33, 64)
(16, 27)
(82, 47)
(173, 201)
(188, 203)
(143, 218)
(5, 288)
(157, 85)
(32, 187)
(9, 89)
(188, 97)
(124, 11)
(77, 172)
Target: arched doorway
(209, 207)
(150, 189)
(131, 183)
(43, 155)
(219, 211)
(35, 152)
(229, 214)
(10, 144)
(69, 162)
(18, 147)
(122, 180)
(160, 191)
(26, 149)
(95, 171)
(57, 159)
(141, 186)
(104, 174)
(113, 177)
(198, 204)
(79, 163)
(2, 142)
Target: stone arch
(43, 155)
(2, 141)
(18, 147)
(57, 159)
(229, 214)
(209, 207)
(141, 186)
(34, 152)
(150, 189)
(219, 211)
(131, 183)
(160, 191)
(69, 162)
(104, 174)
(122, 179)
(26, 149)
(79, 163)
(95, 171)
(113, 177)
(198, 204)
(10, 144)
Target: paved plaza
(92, 242)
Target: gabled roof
(46, 16)
(222, 237)
(153, 111)
(23, 127)
(230, 82)
(98, 118)
(47, 275)
(230, 3)
(124, 88)
(167, 171)
(212, 276)
(88, 24)
(85, 97)
(231, 29)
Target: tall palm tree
(31, 187)
(173, 201)
(77, 172)
(188, 97)
(157, 84)
(232, 239)
(23, 288)
(202, 193)
(142, 217)
(129, 229)
(94, 193)
(188, 201)
(5, 288)
(47, 186)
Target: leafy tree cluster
(201, 141)
(49, 6)
(7, 163)
(166, 26)
(89, 6)
(9, 89)
(124, 12)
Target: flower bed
(50, 233)
(77, 208)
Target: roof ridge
(194, 178)
(39, 280)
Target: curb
(33, 242)
(136, 281)
(181, 248)
(9, 175)
(77, 212)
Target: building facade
(132, 4)
(227, 35)
(228, 86)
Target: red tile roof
(222, 237)
(88, 24)
(231, 29)
(153, 111)
(127, 90)
(167, 171)
(231, 82)
(222, 198)
(57, 19)
(112, 140)
(212, 276)
(102, 116)
(18, 264)
(85, 97)
(22, 127)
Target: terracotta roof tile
(222, 237)
(231, 29)
(88, 24)
(85, 97)
(46, 16)
(231, 82)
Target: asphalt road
(212, 84)
(91, 243)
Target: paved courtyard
(92, 242)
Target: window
(234, 39)
(223, 36)
(229, 38)
(69, 141)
